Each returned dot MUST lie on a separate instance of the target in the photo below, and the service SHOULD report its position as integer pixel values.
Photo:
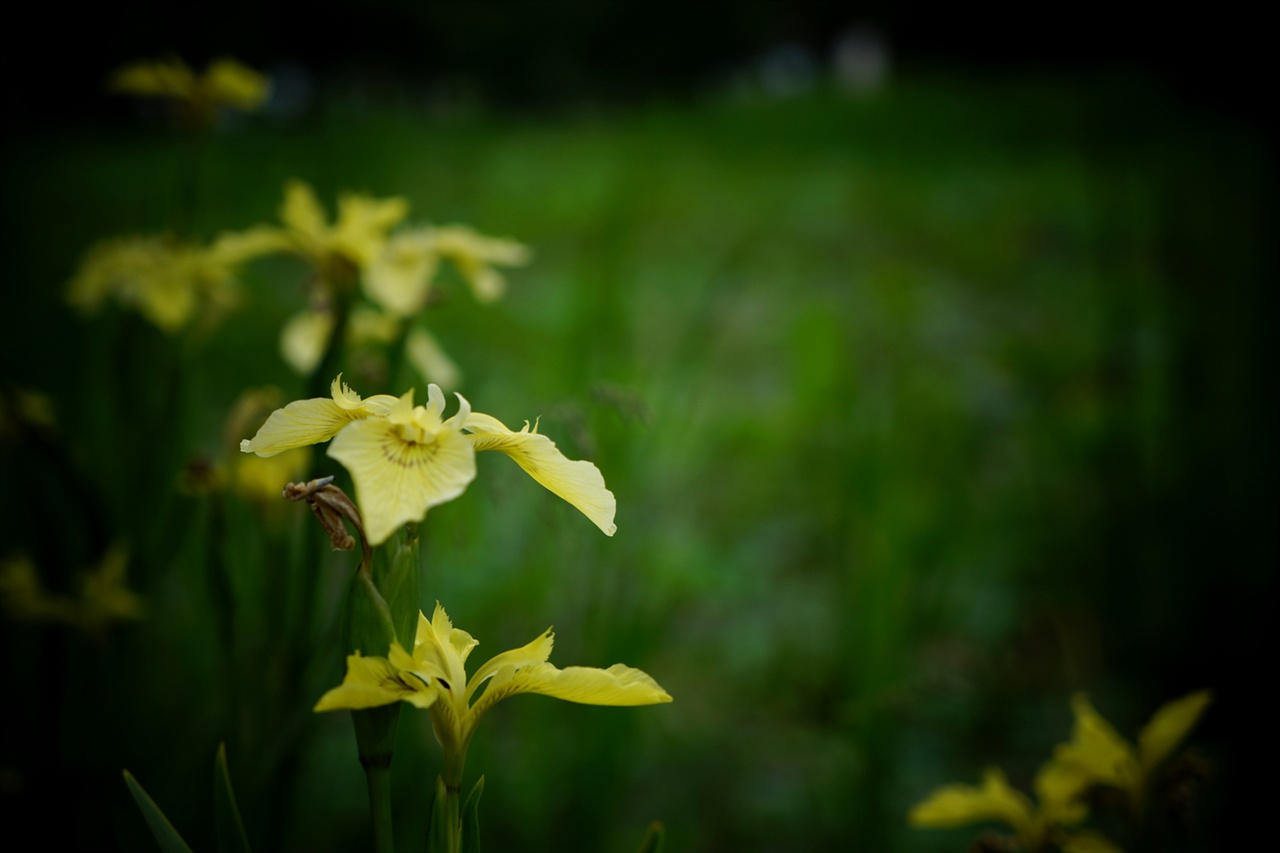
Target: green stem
(378, 776)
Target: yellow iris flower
(1098, 754)
(224, 83)
(434, 677)
(336, 250)
(405, 459)
(165, 280)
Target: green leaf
(654, 839)
(399, 586)
(166, 836)
(231, 837)
(443, 826)
(471, 819)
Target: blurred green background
(929, 396)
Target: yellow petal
(578, 482)
(228, 82)
(303, 213)
(959, 805)
(375, 681)
(1096, 750)
(298, 424)
(399, 278)
(473, 253)
(169, 78)
(304, 339)
(1169, 726)
(533, 652)
(617, 685)
(235, 247)
(363, 222)
(1058, 787)
(397, 480)
(431, 362)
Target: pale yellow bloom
(434, 677)
(304, 338)
(405, 459)
(423, 351)
(167, 281)
(224, 83)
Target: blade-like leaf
(231, 837)
(166, 836)
(471, 819)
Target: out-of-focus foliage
(923, 410)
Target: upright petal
(302, 213)
(960, 805)
(304, 338)
(398, 480)
(531, 653)
(298, 424)
(1169, 726)
(426, 355)
(1096, 749)
(578, 482)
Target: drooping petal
(1169, 726)
(298, 424)
(531, 653)
(578, 482)
(617, 685)
(1096, 749)
(960, 805)
(374, 681)
(397, 480)
(304, 339)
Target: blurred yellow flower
(434, 677)
(1101, 757)
(996, 801)
(399, 278)
(102, 600)
(405, 459)
(225, 83)
(165, 280)
(337, 251)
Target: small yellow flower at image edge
(434, 678)
(405, 459)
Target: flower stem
(378, 775)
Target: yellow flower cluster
(102, 597)
(1095, 755)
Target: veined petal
(578, 482)
(375, 681)
(1169, 726)
(398, 480)
(959, 805)
(617, 685)
(534, 652)
(345, 397)
(298, 424)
